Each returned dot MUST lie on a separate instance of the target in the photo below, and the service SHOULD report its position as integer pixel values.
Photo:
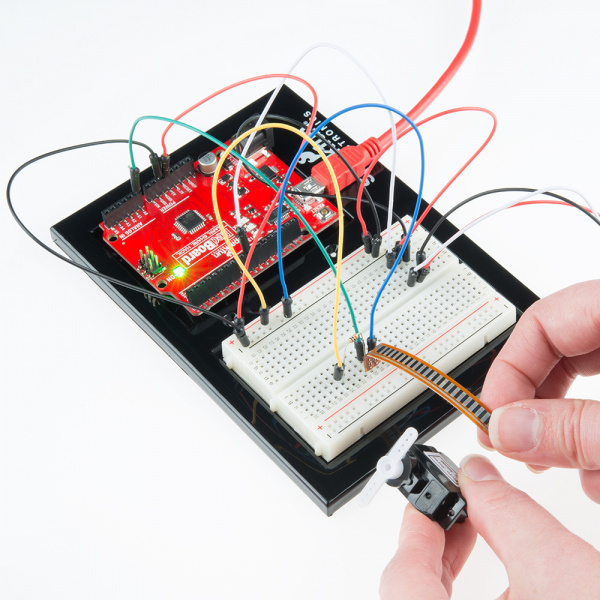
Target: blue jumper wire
(412, 224)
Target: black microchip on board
(269, 171)
(273, 216)
(189, 221)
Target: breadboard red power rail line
(439, 382)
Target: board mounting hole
(304, 231)
(162, 284)
(113, 237)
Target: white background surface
(122, 481)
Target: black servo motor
(429, 481)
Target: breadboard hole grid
(446, 318)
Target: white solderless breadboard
(444, 320)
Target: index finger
(565, 324)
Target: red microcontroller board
(170, 236)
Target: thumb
(529, 541)
(552, 433)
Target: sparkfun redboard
(170, 236)
(195, 342)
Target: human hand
(555, 340)
(542, 558)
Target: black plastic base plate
(194, 342)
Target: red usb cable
(385, 140)
(360, 156)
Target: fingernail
(514, 429)
(479, 468)
(537, 469)
(484, 446)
